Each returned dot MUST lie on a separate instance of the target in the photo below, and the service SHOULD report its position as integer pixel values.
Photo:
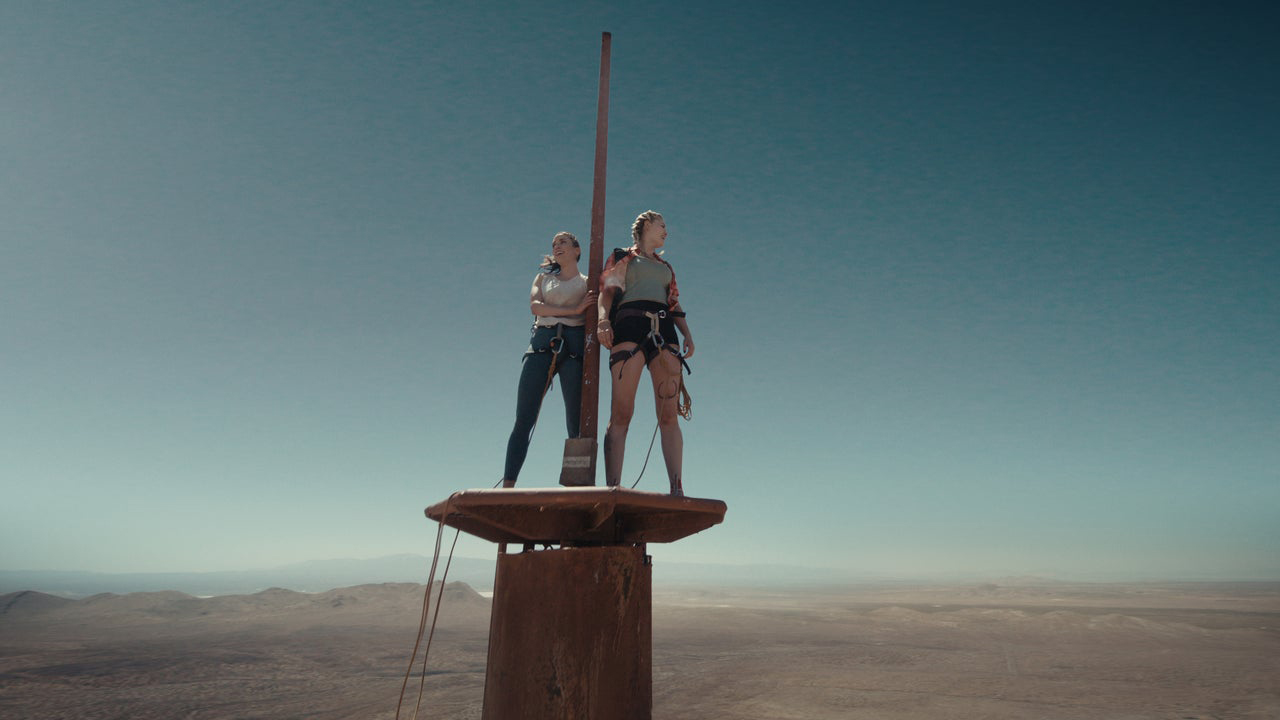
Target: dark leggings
(533, 381)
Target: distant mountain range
(312, 576)
(323, 575)
(366, 605)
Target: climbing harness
(653, 344)
(555, 347)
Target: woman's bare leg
(625, 378)
(664, 370)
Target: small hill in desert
(29, 602)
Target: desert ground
(995, 651)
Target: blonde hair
(643, 219)
(549, 264)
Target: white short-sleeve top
(559, 290)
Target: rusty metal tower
(570, 635)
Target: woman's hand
(588, 301)
(688, 346)
(604, 333)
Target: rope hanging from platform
(422, 624)
(684, 406)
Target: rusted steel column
(579, 456)
(591, 370)
(571, 636)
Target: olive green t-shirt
(647, 280)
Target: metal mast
(580, 453)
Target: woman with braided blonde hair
(639, 313)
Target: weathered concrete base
(571, 636)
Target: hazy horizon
(986, 289)
(326, 574)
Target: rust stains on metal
(595, 252)
(571, 636)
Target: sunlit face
(654, 234)
(563, 249)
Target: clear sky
(986, 288)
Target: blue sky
(977, 288)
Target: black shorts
(630, 324)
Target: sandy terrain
(1016, 650)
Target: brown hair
(549, 264)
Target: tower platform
(577, 515)
(570, 635)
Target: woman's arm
(542, 309)
(604, 330)
(682, 325)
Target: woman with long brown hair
(559, 301)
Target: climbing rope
(426, 604)
(646, 457)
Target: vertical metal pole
(591, 370)
(579, 468)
